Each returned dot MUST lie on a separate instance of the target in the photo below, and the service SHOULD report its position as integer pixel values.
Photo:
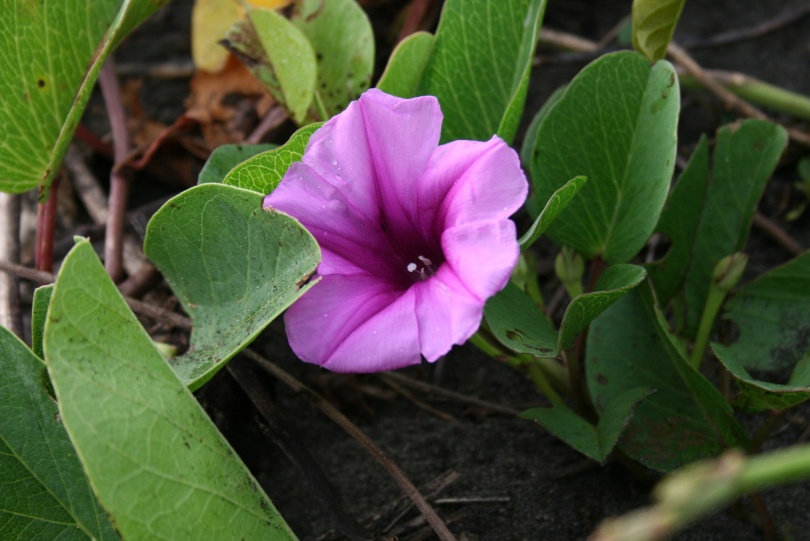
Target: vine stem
(46, 225)
(119, 180)
(410, 490)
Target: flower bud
(729, 270)
(570, 267)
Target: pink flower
(415, 237)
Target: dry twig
(439, 527)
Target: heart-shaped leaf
(233, 266)
(156, 461)
(44, 493)
(52, 54)
(615, 124)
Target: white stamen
(411, 267)
(428, 263)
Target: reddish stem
(119, 181)
(417, 12)
(46, 225)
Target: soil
(515, 481)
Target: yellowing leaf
(210, 21)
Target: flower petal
(482, 255)
(492, 188)
(373, 151)
(349, 244)
(353, 324)
(446, 312)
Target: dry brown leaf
(227, 105)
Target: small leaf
(52, 54)
(341, 36)
(773, 316)
(479, 66)
(210, 22)
(745, 156)
(680, 221)
(233, 266)
(39, 312)
(518, 324)
(226, 157)
(654, 23)
(156, 461)
(758, 395)
(614, 283)
(406, 64)
(595, 442)
(615, 124)
(280, 56)
(44, 493)
(556, 203)
(264, 171)
(629, 346)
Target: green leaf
(39, 312)
(556, 203)
(157, 463)
(518, 324)
(654, 23)
(680, 221)
(745, 156)
(226, 157)
(479, 66)
(52, 54)
(233, 266)
(614, 283)
(530, 139)
(44, 494)
(616, 125)
(629, 346)
(263, 172)
(341, 36)
(758, 395)
(406, 64)
(598, 441)
(773, 317)
(280, 56)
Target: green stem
(776, 468)
(540, 372)
(703, 487)
(758, 92)
(710, 310)
(532, 284)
